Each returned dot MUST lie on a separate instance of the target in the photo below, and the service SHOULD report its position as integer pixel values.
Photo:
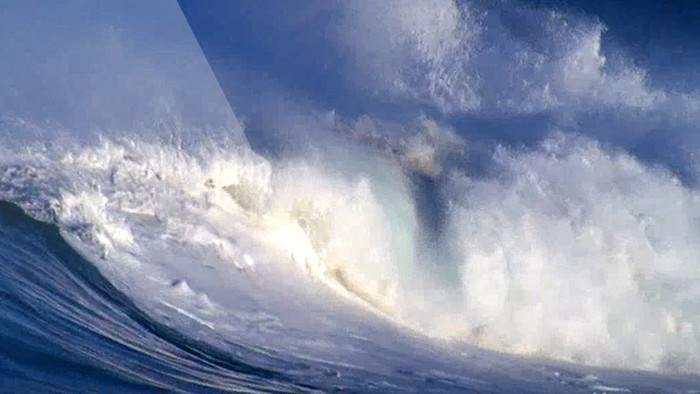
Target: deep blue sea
(427, 196)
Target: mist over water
(478, 173)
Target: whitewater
(401, 196)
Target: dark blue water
(65, 328)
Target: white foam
(153, 215)
(579, 253)
(573, 251)
(465, 57)
(418, 49)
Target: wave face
(483, 202)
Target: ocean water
(397, 196)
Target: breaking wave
(482, 174)
(572, 251)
